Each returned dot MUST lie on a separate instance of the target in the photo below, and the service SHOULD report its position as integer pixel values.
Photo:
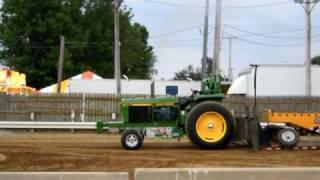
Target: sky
(276, 32)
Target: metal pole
(230, 60)
(205, 43)
(231, 38)
(254, 124)
(217, 39)
(60, 63)
(117, 70)
(308, 50)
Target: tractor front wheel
(132, 139)
(210, 125)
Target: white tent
(88, 75)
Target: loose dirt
(91, 152)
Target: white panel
(136, 86)
(315, 81)
(278, 80)
(131, 86)
(92, 86)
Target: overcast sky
(281, 21)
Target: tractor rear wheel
(210, 125)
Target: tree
(316, 60)
(188, 72)
(30, 31)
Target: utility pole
(308, 50)
(205, 43)
(217, 39)
(117, 69)
(308, 6)
(230, 38)
(60, 63)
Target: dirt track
(91, 152)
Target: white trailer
(276, 80)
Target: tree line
(30, 32)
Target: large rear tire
(210, 125)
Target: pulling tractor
(201, 117)
(206, 122)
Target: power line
(235, 28)
(271, 45)
(82, 44)
(175, 32)
(290, 30)
(173, 4)
(276, 45)
(259, 5)
(79, 44)
(177, 40)
(72, 44)
(75, 45)
(264, 34)
(226, 7)
(89, 42)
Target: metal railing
(46, 125)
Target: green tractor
(201, 117)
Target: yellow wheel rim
(211, 127)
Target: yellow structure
(308, 121)
(13, 82)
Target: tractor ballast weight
(201, 117)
